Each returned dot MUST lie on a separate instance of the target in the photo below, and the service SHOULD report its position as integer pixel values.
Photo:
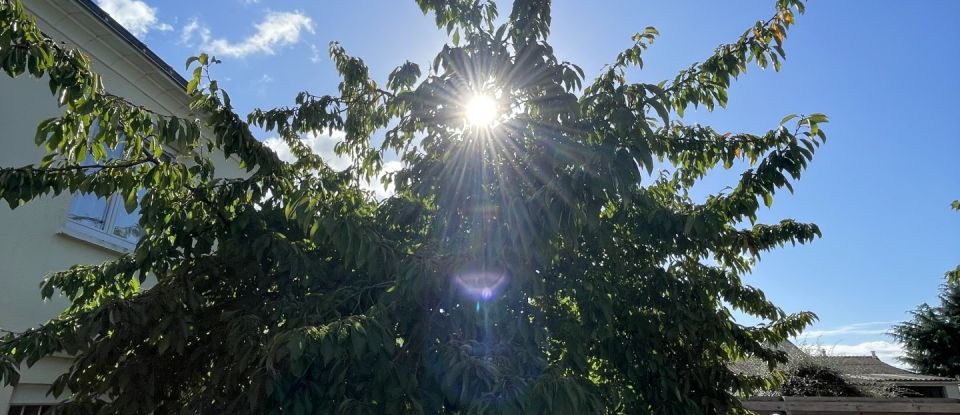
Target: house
(833, 385)
(864, 374)
(870, 369)
(54, 233)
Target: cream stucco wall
(31, 242)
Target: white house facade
(53, 233)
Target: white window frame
(104, 238)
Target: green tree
(809, 379)
(931, 339)
(547, 259)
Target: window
(104, 221)
(30, 409)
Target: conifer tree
(931, 339)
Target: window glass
(106, 218)
(126, 225)
(89, 210)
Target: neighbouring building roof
(855, 368)
(755, 366)
(872, 368)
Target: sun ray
(481, 111)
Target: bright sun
(481, 111)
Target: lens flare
(481, 111)
(481, 285)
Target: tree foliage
(817, 380)
(550, 263)
(931, 339)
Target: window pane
(89, 210)
(125, 224)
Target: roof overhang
(132, 40)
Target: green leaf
(131, 201)
(787, 119)
(192, 85)
(817, 118)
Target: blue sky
(883, 71)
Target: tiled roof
(855, 368)
(872, 368)
(755, 366)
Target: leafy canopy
(550, 262)
(931, 339)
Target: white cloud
(886, 351)
(866, 348)
(191, 28)
(135, 15)
(872, 327)
(315, 56)
(377, 187)
(277, 29)
(322, 144)
(858, 339)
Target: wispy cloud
(867, 328)
(858, 339)
(886, 351)
(135, 15)
(315, 55)
(276, 30)
(193, 28)
(262, 85)
(323, 144)
(879, 347)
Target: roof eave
(132, 40)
